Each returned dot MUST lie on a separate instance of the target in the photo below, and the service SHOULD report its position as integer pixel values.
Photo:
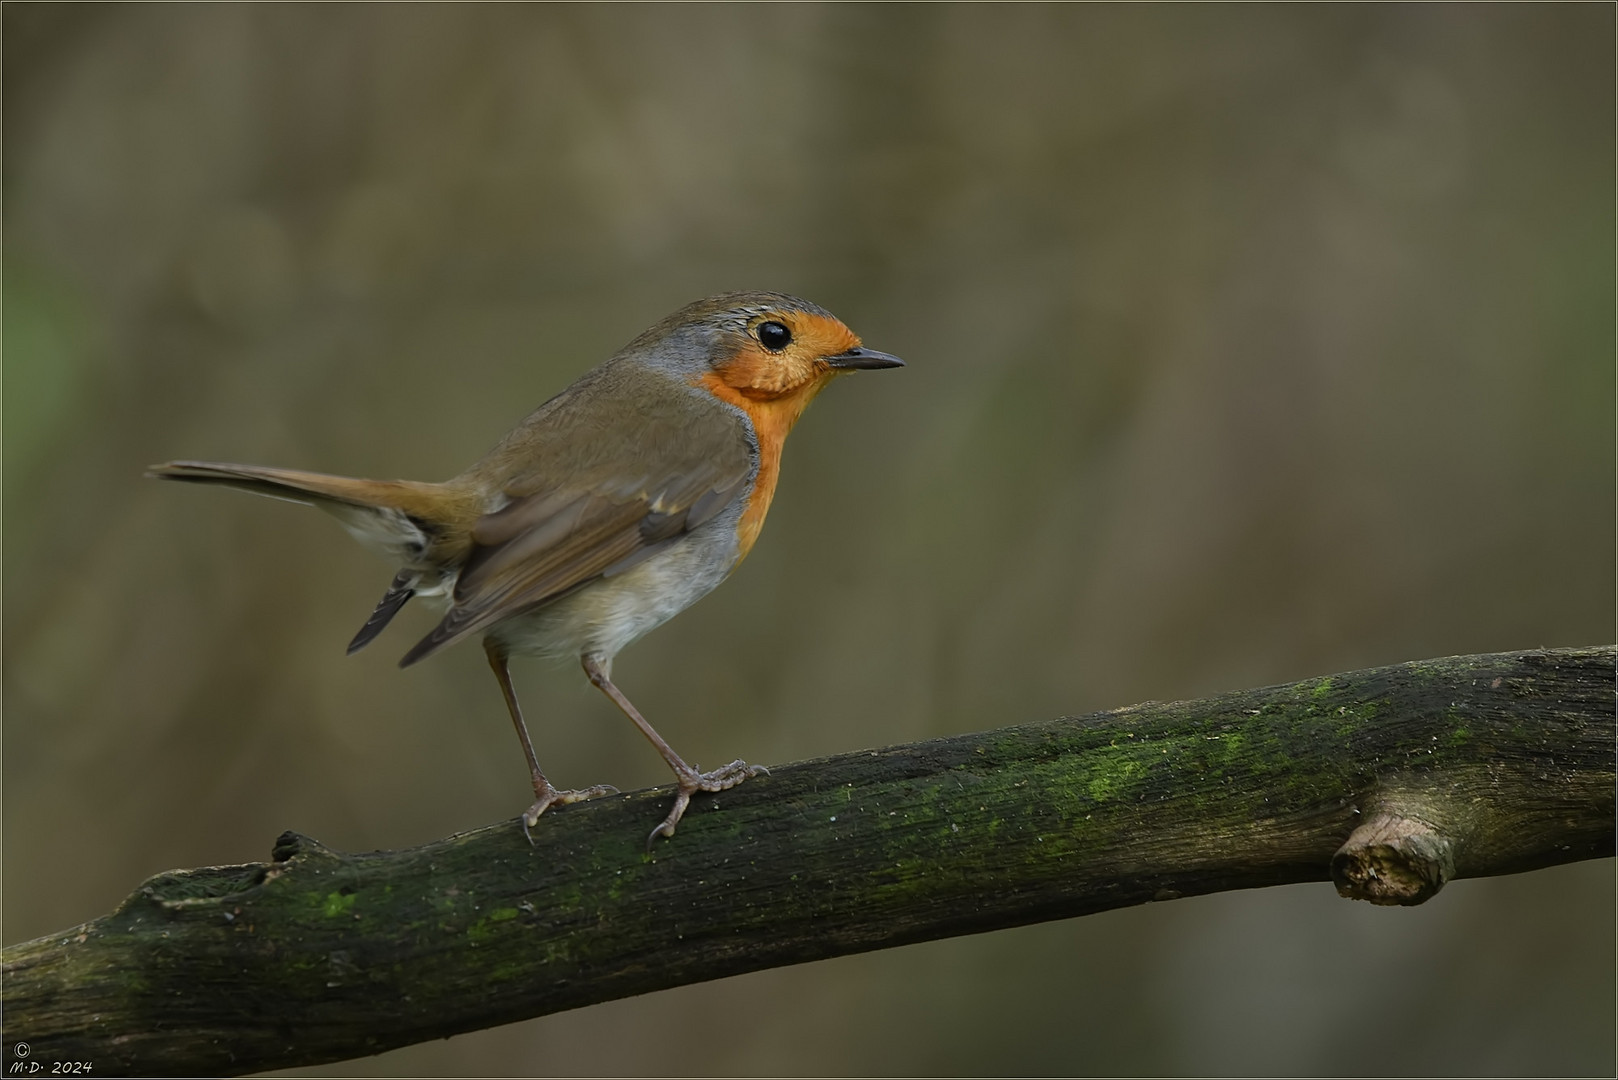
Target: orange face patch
(773, 387)
(762, 374)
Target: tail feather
(398, 594)
(419, 524)
(294, 485)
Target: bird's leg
(687, 779)
(544, 793)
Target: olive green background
(1245, 343)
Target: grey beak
(861, 358)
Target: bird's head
(761, 347)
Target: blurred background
(1246, 344)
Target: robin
(613, 507)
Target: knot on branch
(1391, 859)
(292, 845)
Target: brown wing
(619, 480)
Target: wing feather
(562, 528)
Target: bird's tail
(394, 505)
(421, 525)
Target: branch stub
(1393, 860)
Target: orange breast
(772, 418)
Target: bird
(610, 509)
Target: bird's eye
(773, 336)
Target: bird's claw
(550, 796)
(689, 783)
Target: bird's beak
(861, 358)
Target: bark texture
(1388, 782)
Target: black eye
(773, 336)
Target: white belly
(604, 616)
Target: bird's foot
(690, 781)
(550, 796)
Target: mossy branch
(1388, 781)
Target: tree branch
(1389, 781)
